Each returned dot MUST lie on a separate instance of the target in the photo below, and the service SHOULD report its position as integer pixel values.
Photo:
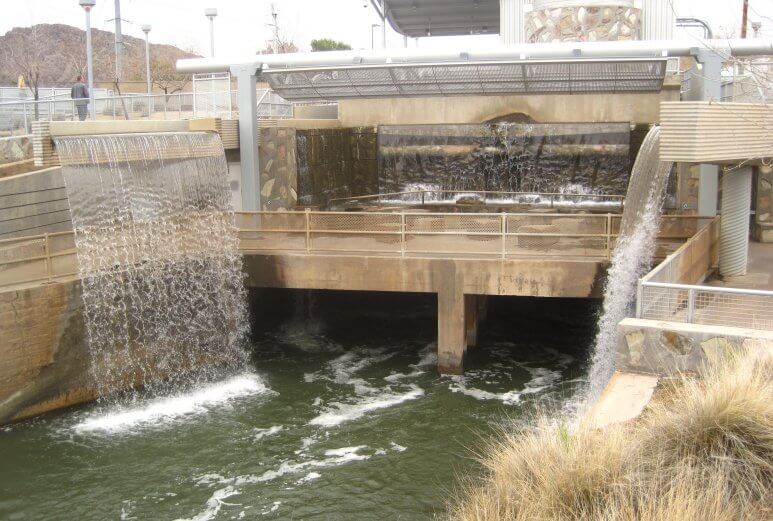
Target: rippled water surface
(337, 417)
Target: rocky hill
(58, 53)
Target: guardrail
(53, 256)
(439, 196)
(19, 115)
(498, 235)
(671, 292)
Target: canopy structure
(468, 78)
(417, 18)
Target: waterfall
(632, 256)
(158, 256)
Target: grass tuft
(702, 450)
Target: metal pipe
(534, 51)
(689, 21)
(87, 5)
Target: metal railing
(439, 196)
(17, 116)
(499, 235)
(671, 292)
(50, 257)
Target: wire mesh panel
(212, 95)
(733, 309)
(470, 78)
(272, 231)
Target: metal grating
(478, 78)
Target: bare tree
(166, 78)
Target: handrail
(490, 234)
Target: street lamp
(211, 13)
(373, 26)
(87, 5)
(146, 29)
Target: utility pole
(118, 42)
(744, 18)
(275, 25)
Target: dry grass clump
(703, 450)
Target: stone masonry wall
(278, 175)
(15, 148)
(583, 24)
(763, 220)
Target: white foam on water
(344, 412)
(311, 476)
(123, 419)
(428, 355)
(333, 458)
(214, 504)
(541, 379)
(273, 508)
(396, 447)
(262, 433)
(459, 385)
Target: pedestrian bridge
(462, 257)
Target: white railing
(672, 291)
(16, 117)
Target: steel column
(246, 76)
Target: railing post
(47, 250)
(690, 305)
(402, 234)
(26, 123)
(639, 296)
(503, 230)
(308, 230)
(609, 235)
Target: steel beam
(246, 76)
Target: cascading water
(632, 256)
(158, 256)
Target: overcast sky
(241, 26)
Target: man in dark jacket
(80, 94)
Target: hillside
(59, 51)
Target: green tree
(328, 44)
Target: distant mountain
(58, 53)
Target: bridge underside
(460, 284)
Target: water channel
(340, 414)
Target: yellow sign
(21, 81)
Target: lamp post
(146, 29)
(372, 41)
(211, 13)
(87, 5)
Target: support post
(452, 334)
(706, 85)
(734, 225)
(246, 76)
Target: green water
(341, 417)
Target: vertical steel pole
(146, 30)
(211, 36)
(246, 76)
(90, 65)
(383, 23)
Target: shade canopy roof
(468, 78)
(417, 18)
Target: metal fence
(16, 117)
(49, 257)
(499, 235)
(671, 292)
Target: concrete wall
(33, 203)
(666, 348)
(557, 108)
(44, 358)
